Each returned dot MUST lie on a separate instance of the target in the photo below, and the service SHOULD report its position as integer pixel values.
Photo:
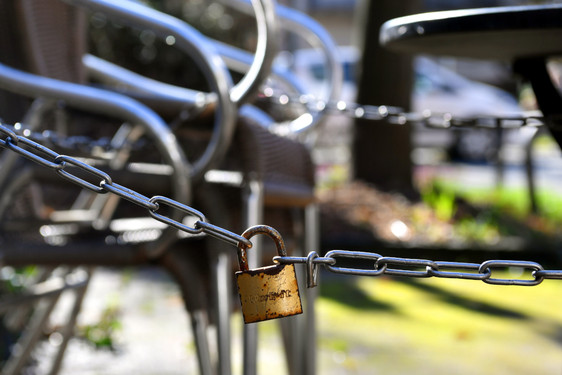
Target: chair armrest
(265, 52)
(94, 100)
(204, 55)
(189, 40)
(314, 34)
(239, 61)
(317, 36)
(161, 96)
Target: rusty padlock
(267, 292)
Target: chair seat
(284, 166)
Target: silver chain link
(398, 116)
(59, 163)
(393, 266)
(79, 143)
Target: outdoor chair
(285, 185)
(295, 192)
(270, 178)
(59, 65)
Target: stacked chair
(222, 157)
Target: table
(527, 36)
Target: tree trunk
(381, 152)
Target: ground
(365, 325)
(358, 214)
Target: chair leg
(312, 243)
(293, 328)
(221, 276)
(68, 329)
(290, 329)
(31, 335)
(299, 332)
(199, 325)
(45, 297)
(187, 274)
(253, 197)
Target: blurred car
(310, 66)
(436, 88)
(441, 90)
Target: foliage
(13, 279)
(485, 214)
(445, 215)
(441, 199)
(102, 333)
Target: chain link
(14, 146)
(409, 267)
(334, 260)
(437, 271)
(76, 143)
(398, 116)
(59, 163)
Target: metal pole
(312, 243)
(253, 216)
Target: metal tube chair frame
(121, 106)
(189, 40)
(316, 36)
(254, 196)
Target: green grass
(514, 201)
(485, 215)
(438, 326)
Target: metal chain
(74, 143)
(392, 114)
(59, 163)
(77, 143)
(398, 116)
(333, 260)
(409, 267)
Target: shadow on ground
(464, 301)
(348, 293)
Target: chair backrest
(51, 36)
(44, 37)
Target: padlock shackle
(251, 232)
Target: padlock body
(269, 292)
